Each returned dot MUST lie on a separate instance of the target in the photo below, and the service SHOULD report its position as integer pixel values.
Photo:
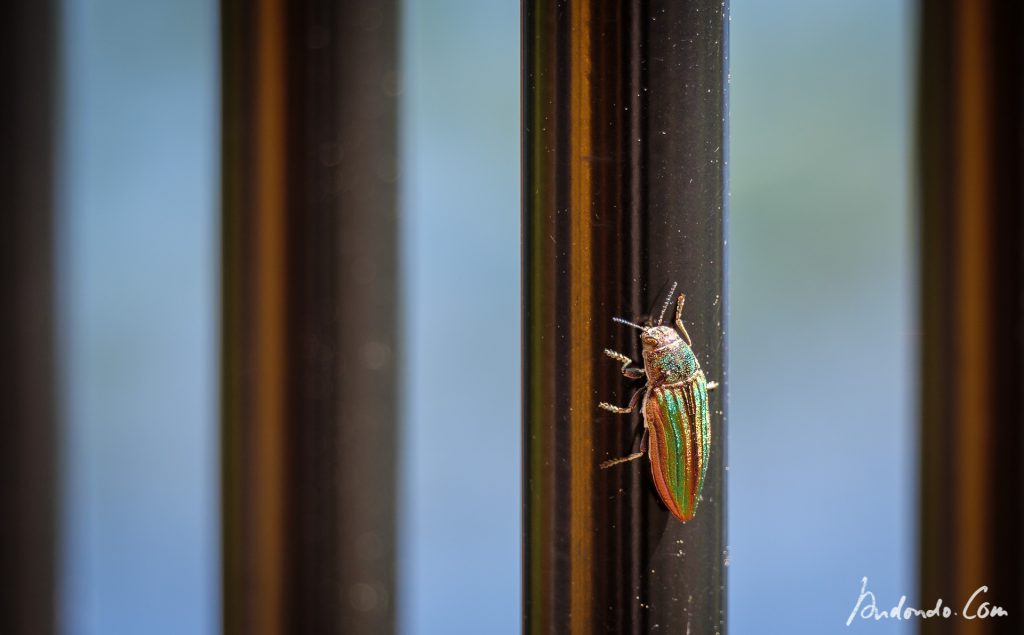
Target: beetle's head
(655, 337)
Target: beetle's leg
(632, 457)
(679, 318)
(620, 410)
(712, 385)
(632, 373)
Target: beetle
(677, 421)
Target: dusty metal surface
(624, 183)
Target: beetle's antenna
(627, 323)
(668, 300)
(654, 303)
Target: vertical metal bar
(309, 315)
(27, 374)
(624, 186)
(972, 309)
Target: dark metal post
(624, 158)
(971, 128)
(27, 322)
(309, 315)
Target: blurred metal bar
(624, 182)
(309, 315)
(972, 309)
(28, 54)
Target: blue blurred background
(459, 554)
(822, 447)
(822, 320)
(138, 268)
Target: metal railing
(309, 316)
(28, 375)
(970, 102)
(624, 190)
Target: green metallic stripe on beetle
(679, 424)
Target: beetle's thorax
(671, 362)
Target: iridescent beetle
(677, 425)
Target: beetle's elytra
(677, 421)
